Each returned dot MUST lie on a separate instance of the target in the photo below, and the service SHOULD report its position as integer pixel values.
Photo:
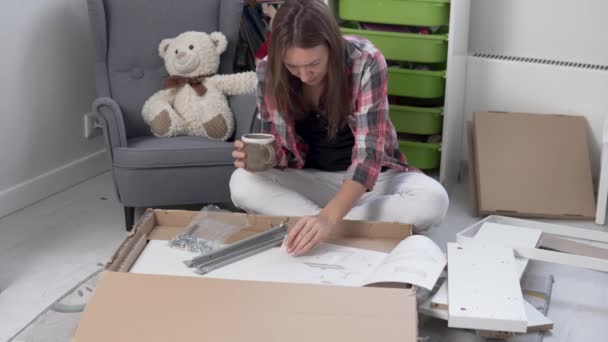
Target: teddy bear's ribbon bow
(178, 81)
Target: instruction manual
(416, 260)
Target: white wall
(46, 85)
(496, 85)
(567, 30)
(562, 30)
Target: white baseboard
(26, 193)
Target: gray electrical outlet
(92, 127)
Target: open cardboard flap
(533, 165)
(139, 307)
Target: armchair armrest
(244, 109)
(110, 114)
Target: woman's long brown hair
(307, 24)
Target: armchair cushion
(152, 152)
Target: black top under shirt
(325, 154)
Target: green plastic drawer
(416, 83)
(416, 120)
(425, 156)
(398, 12)
(413, 47)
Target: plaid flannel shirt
(376, 142)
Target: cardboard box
(138, 307)
(532, 165)
(472, 168)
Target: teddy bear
(193, 99)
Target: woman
(324, 98)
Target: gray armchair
(150, 171)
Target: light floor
(46, 248)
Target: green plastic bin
(416, 120)
(416, 83)
(425, 156)
(398, 12)
(413, 47)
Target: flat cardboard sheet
(137, 307)
(533, 165)
(140, 307)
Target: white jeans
(407, 197)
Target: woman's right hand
(238, 154)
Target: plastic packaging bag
(205, 234)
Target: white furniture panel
(484, 290)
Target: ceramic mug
(259, 151)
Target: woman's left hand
(306, 233)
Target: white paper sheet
(160, 258)
(416, 260)
(328, 264)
